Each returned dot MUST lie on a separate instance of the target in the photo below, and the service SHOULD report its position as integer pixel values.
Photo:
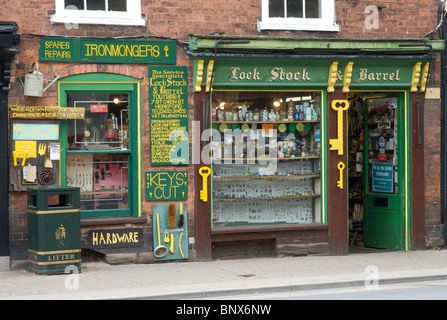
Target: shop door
(384, 171)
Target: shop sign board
(114, 238)
(382, 177)
(35, 131)
(166, 185)
(311, 73)
(58, 49)
(45, 112)
(168, 112)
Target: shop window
(266, 158)
(312, 15)
(101, 176)
(116, 12)
(100, 152)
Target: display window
(266, 157)
(101, 151)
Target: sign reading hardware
(166, 185)
(114, 238)
(168, 111)
(107, 51)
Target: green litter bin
(54, 229)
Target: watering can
(33, 86)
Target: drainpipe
(443, 30)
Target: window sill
(225, 234)
(98, 20)
(296, 27)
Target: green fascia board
(197, 43)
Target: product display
(268, 171)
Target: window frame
(325, 23)
(101, 82)
(132, 17)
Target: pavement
(194, 280)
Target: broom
(172, 215)
(180, 221)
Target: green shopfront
(313, 146)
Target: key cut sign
(166, 185)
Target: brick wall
(176, 19)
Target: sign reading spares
(60, 49)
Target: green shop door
(384, 145)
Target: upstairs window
(311, 15)
(113, 12)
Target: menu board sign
(168, 112)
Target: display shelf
(272, 122)
(270, 199)
(269, 177)
(266, 158)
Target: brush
(180, 220)
(172, 215)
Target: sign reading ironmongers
(46, 112)
(114, 238)
(168, 111)
(107, 51)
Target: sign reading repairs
(107, 51)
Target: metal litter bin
(54, 229)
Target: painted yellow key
(340, 167)
(339, 106)
(204, 172)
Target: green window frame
(103, 83)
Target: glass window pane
(73, 4)
(266, 158)
(313, 9)
(117, 5)
(106, 123)
(294, 8)
(96, 5)
(276, 8)
(102, 179)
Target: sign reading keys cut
(166, 185)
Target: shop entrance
(376, 170)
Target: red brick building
(162, 58)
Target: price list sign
(168, 112)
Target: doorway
(376, 135)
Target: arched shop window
(100, 153)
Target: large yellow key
(204, 172)
(339, 106)
(340, 167)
